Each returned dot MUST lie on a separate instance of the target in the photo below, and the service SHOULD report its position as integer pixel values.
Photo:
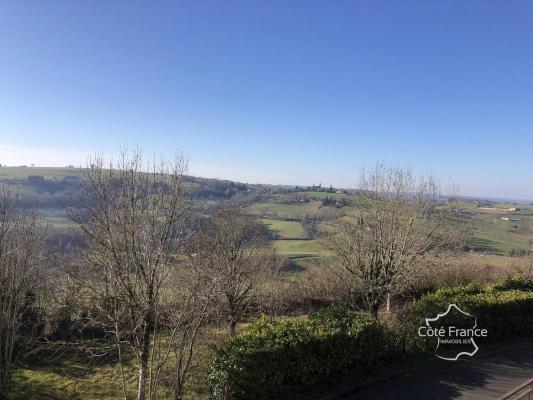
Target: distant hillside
(291, 213)
(47, 189)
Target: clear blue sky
(295, 92)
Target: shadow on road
(488, 375)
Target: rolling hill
(289, 213)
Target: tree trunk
(4, 381)
(231, 327)
(3, 391)
(141, 391)
(178, 393)
(145, 353)
(373, 306)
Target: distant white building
(510, 219)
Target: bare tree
(133, 219)
(232, 251)
(20, 259)
(184, 310)
(400, 219)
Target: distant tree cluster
(519, 252)
(320, 188)
(297, 200)
(53, 186)
(214, 188)
(332, 201)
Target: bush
(505, 309)
(290, 355)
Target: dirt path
(488, 375)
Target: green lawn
(303, 254)
(299, 264)
(285, 210)
(493, 233)
(300, 248)
(285, 229)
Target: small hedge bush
(272, 360)
(505, 309)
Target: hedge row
(505, 309)
(274, 359)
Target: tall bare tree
(20, 261)
(133, 219)
(232, 251)
(400, 219)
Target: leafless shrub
(322, 285)
(271, 285)
(455, 270)
(401, 219)
(20, 261)
(232, 252)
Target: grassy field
(491, 232)
(300, 248)
(285, 229)
(56, 217)
(291, 243)
(65, 378)
(302, 254)
(285, 210)
(496, 234)
(279, 212)
(45, 172)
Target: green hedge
(275, 360)
(505, 309)
(272, 360)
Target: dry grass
(65, 378)
(470, 268)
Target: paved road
(488, 375)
